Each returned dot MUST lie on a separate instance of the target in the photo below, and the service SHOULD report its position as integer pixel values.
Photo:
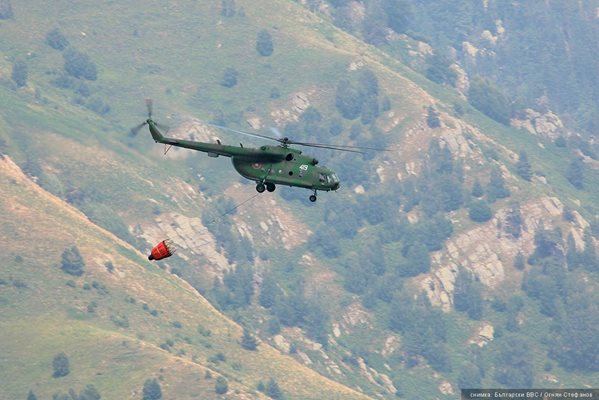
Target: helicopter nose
(336, 186)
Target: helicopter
(267, 165)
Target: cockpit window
(334, 178)
(322, 178)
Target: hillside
(104, 320)
(432, 262)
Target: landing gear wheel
(313, 198)
(260, 187)
(270, 187)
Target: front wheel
(313, 198)
(260, 187)
(270, 187)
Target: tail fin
(156, 135)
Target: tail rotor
(135, 130)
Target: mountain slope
(45, 312)
(344, 269)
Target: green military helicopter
(267, 165)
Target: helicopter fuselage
(267, 165)
(294, 169)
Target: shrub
(489, 100)
(56, 40)
(264, 45)
(19, 73)
(152, 390)
(60, 365)
(229, 77)
(79, 65)
(480, 211)
(248, 341)
(221, 386)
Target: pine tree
(575, 174)
(248, 341)
(72, 262)
(477, 189)
(519, 261)
(221, 386)
(152, 390)
(273, 390)
(31, 395)
(60, 365)
(56, 40)
(264, 45)
(496, 188)
(523, 166)
(268, 291)
(19, 73)
(227, 8)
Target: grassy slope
(48, 317)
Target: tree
(514, 363)
(489, 100)
(248, 341)
(264, 45)
(56, 40)
(221, 386)
(523, 166)
(418, 261)
(79, 65)
(152, 390)
(19, 73)
(466, 296)
(60, 365)
(513, 221)
(227, 8)
(439, 71)
(469, 377)
(90, 393)
(519, 261)
(31, 395)
(229, 77)
(496, 188)
(268, 291)
(480, 211)
(432, 117)
(272, 390)
(348, 100)
(6, 9)
(575, 173)
(477, 189)
(72, 262)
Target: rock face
(190, 237)
(484, 335)
(487, 251)
(548, 125)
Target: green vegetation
(57, 40)
(72, 262)
(221, 386)
(61, 365)
(264, 45)
(19, 73)
(152, 390)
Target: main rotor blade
(242, 132)
(324, 146)
(338, 147)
